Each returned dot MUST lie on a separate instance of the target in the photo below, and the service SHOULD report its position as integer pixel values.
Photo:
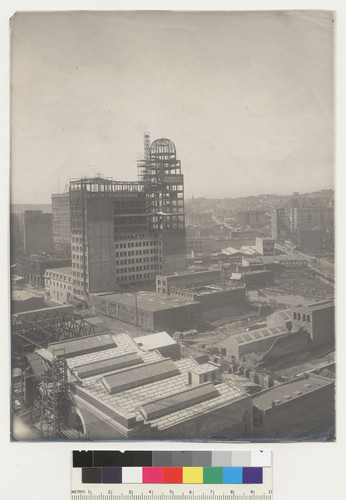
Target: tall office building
(37, 232)
(125, 232)
(61, 222)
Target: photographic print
(172, 225)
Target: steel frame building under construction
(123, 232)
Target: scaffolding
(160, 174)
(54, 400)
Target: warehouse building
(254, 278)
(257, 341)
(276, 262)
(121, 391)
(166, 283)
(302, 408)
(217, 299)
(148, 310)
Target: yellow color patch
(193, 475)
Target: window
(308, 318)
(299, 316)
(304, 317)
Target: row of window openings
(136, 277)
(78, 266)
(135, 269)
(137, 261)
(57, 284)
(137, 244)
(136, 252)
(80, 283)
(56, 276)
(77, 248)
(77, 256)
(77, 274)
(301, 317)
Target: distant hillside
(19, 208)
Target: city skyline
(85, 86)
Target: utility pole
(136, 309)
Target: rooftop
(290, 390)
(187, 273)
(148, 301)
(163, 379)
(275, 258)
(319, 305)
(280, 316)
(23, 295)
(260, 333)
(60, 270)
(155, 340)
(231, 251)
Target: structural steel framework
(39, 330)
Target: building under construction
(125, 232)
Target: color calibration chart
(171, 475)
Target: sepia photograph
(172, 226)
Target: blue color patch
(232, 475)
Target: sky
(247, 98)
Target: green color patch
(212, 475)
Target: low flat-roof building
(164, 284)
(22, 300)
(274, 262)
(302, 408)
(254, 278)
(217, 299)
(122, 391)
(149, 310)
(181, 309)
